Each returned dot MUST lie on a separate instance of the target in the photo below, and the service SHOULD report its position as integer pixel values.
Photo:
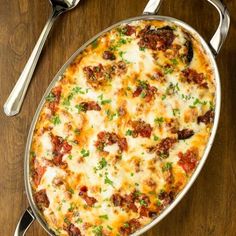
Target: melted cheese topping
(130, 83)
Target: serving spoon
(15, 99)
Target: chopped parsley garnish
(70, 157)
(122, 41)
(117, 44)
(32, 153)
(95, 43)
(197, 102)
(71, 190)
(158, 203)
(109, 227)
(186, 97)
(167, 166)
(77, 131)
(143, 84)
(97, 230)
(137, 193)
(101, 164)
(142, 202)
(110, 115)
(143, 94)
(100, 96)
(159, 120)
(155, 138)
(84, 153)
(104, 101)
(105, 217)
(72, 207)
(126, 225)
(168, 70)
(129, 132)
(50, 97)
(176, 111)
(78, 90)
(163, 97)
(79, 220)
(75, 90)
(66, 220)
(56, 120)
(174, 61)
(212, 106)
(80, 108)
(142, 49)
(107, 180)
(132, 174)
(121, 31)
(121, 54)
(172, 89)
(67, 100)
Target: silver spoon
(15, 99)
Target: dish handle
(222, 31)
(223, 28)
(25, 222)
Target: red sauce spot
(188, 160)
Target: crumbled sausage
(130, 227)
(129, 30)
(53, 105)
(141, 128)
(89, 106)
(90, 201)
(41, 199)
(106, 138)
(108, 55)
(163, 147)
(185, 134)
(207, 118)
(192, 76)
(154, 39)
(72, 230)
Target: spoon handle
(15, 99)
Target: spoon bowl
(63, 5)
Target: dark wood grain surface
(209, 208)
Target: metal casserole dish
(211, 50)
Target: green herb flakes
(84, 153)
(159, 120)
(176, 112)
(56, 120)
(101, 165)
(168, 70)
(107, 180)
(109, 227)
(129, 132)
(155, 138)
(50, 97)
(97, 230)
(105, 217)
(80, 108)
(95, 44)
(167, 166)
(174, 61)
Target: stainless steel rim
(61, 71)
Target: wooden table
(210, 206)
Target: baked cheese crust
(122, 130)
